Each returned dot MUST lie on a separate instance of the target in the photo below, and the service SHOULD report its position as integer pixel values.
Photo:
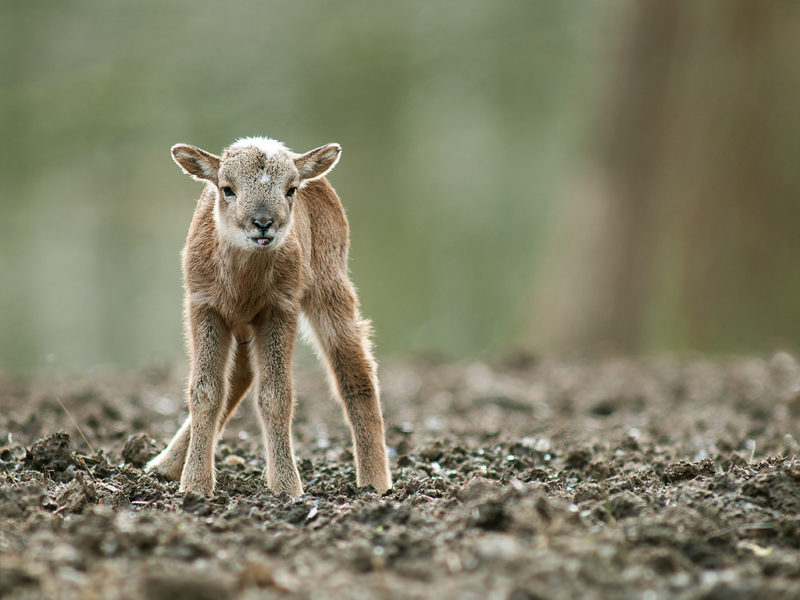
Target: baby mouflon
(267, 248)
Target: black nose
(262, 224)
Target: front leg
(210, 343)
(272, 355)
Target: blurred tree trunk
(695, 233)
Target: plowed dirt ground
(519, 479)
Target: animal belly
(243, 334)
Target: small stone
(404, 428)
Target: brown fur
(243, 302)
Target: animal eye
(290, 193)
(228, 192)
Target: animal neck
(238, 260)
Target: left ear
(317, 162)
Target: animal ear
(317, 162)
(201, 165)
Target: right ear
(201, 165)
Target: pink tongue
(262, 241)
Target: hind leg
(239, 382)
(169, 463)
(342, 338)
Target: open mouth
(263, 241)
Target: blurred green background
(554, 176)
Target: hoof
(168, 469)
(382, 481)
(291, 488)
(202, 487)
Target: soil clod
(51, 454)
(139, 449)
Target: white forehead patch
(267, 145)
(265, 178)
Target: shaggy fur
(268, 245)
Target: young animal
(267, 250)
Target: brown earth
(520, 479)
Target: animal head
(256, 180)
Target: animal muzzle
(265, 231)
